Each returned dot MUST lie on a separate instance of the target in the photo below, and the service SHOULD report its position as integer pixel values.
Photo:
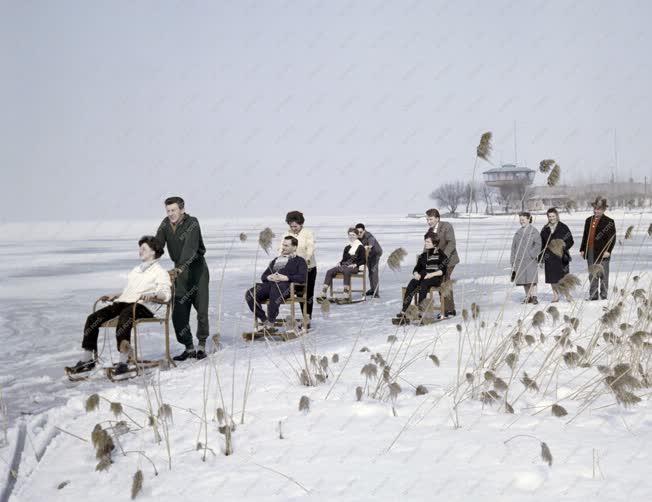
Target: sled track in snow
(15, 464)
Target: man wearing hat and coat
(598, 241)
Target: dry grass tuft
(136, 484)
(421, 390)
(395, 258)
(568, 284)
(509, 408)
(554, 313)
(489, 397)
(557, 247)
(92, 403)
(325, 306)
(558, 411)
(335, 359)
(370, 371)
(358, 393)
(304, 404)
(489, 376)
(544, 165)
(628, 232)
(412, 313)
(611, 316)
(469, 378)
(243, 237)
(529, 383)
(475, 310)
(116, 409)
(434, 359)
(265, 239)
(484, 147)
(391, 339)
(572, 359)
(538, 319)
(529, 339)
(500, 385)
(511, 359)
(555, 174)
(546, 455)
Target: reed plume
(265, 239)
(484, 147)
(395, 258)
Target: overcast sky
(331, 107)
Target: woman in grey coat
(526, 247)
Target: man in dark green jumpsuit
(182, 235)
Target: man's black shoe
(451, 313)
(120, 369)
(200, 354)
(186, 354)
(81, 367)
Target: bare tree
(450, 195)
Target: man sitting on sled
(147, 281)
(283, 270)
(428, 272)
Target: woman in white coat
(526, 246)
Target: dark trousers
(121, 310)
(449, 300)
(372, 265)
(275, 292)
(598, 279)
(422, 286)
(194, 296)
(310, 284)
(345, 270)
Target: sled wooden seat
(441, 306)
(361, 274)
(298, 296)
(161, 319)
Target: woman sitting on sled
(353, 257)
(147, 281)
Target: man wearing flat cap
(598, 241)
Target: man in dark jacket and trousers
(281, 271)
(446, 235)
(598, 241)
(375, 252)
(182, 235)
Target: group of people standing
(296, 263)
(550, 249)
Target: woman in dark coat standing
(556, 241)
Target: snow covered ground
(446, 444)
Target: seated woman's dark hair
(527, 215)
(433, 238)
(153, 243)
(293, 240)
(295, 217)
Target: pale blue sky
(258, 107)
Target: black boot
(186, 354)
(81, 367)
